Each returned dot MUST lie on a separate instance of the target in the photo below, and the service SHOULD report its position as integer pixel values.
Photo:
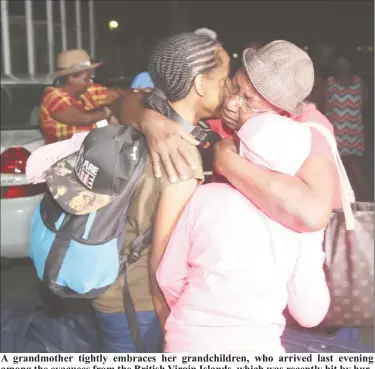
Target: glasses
(234, 91)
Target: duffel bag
(28, 328)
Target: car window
(20, 106)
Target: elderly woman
(229, 270)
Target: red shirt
(56, 99)
(217, 126)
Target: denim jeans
(118, 338)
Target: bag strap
(346, 191)
(131, 315)
(202, 132)
(138, 245)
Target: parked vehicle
(26, 63)
(20, 136)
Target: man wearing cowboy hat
(74, 103)
(278, 77)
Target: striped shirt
(344, 109)
(56, 99)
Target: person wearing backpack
(189, 72)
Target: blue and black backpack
(80, 256)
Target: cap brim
(247, 53)
(70, 194)
(66, 72)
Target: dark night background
(236, 21)
(349, 22)
(346, 24)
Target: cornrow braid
(174, 64)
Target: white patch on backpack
(134, 153)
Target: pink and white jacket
(229, 271)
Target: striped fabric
(344, 110)
(55, 99)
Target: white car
(20, 136)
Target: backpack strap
(346, 191)
(138, 245)
(142, 242)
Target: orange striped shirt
(56, 99)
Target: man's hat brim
(69, 192)
(76, 69)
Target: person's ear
(200, 84)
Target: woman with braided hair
(189, 72)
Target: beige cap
(73, 61)
(282, 73)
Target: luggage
(350, 268)
(349, 248)
(30, 328)
(304, 341)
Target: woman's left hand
(221, 150)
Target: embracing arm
(302, 203)
(129, 109)
(113, 94)
(172, 203)
(168, 142)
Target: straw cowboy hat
(73, 61)
(282, 73)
